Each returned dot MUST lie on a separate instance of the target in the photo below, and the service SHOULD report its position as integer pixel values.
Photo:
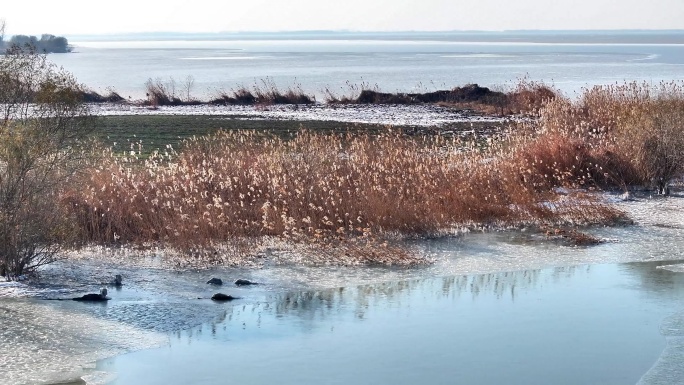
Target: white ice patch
(649, 209)
(41, 343)
(669, 369)
(412, 115)
(675, 268)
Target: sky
(79, 17)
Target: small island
(45, 44)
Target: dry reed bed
(526, 97)
(346, 198)
(612, 136)
(336, 198)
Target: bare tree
(187, 87)
(2, 33)
(42, 123)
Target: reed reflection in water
(569, 325)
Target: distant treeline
(45, 44)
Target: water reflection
(654, 281)
(311, 308)
(582, 324)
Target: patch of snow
(409, 115)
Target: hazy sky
(101, 17)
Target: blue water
(391, 65)
(579, 325)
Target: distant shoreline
(522, 36)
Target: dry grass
(341, 195)
(618, 135)
(169, 92)
(529, 97)
(344, 198)
(266, 93)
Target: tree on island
(46, 44)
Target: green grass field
(156, 132)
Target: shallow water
(495, 307)
(579, 325)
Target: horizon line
(343, 31)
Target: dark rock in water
(215, 281)
(92, 298)
(117, 282)
(223, 297)
(102, 297)
(244, 282)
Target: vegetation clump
(267, 93)
(90, 96)
(611, 136)
(169, 93)
(526, 98)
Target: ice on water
(42, 343)
(669, 368)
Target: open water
(391, 65)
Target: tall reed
(314, 189)
(622, 135)
(344, 197)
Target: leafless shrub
(162, 93)
(42, 123)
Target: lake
(396, 64)
(510, 307)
